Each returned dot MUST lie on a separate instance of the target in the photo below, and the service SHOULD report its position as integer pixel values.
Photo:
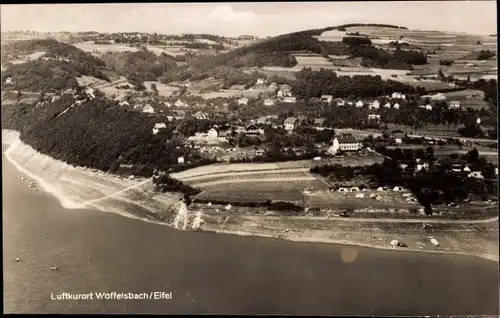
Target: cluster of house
(219, 135)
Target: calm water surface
(208, 273)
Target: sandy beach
(77, 188)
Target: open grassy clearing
(261, 191)
(90, 47)
(327, 199)
(163, 89)
(251, 177)
(310, 61)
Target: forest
(326, 82)
(100, 134)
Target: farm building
(148, 109)
(374, 117)
(340, 102)
(157, 127)
(359, 103)
(319, 122)
(374, 105)
(454, 104)
(260, 81)
(201, 115)
(291, 123)
(268, 102)
(387, 105)
(398, 136)
(427, 107)
(327, 98)
(285, 91)
(180, 103)
(243, 101)
(344, 142)
(289, 99)
(396, 106)
(396, 95)
(252, 130)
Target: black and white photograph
(277, 158)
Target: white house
(496, 171)
(396, 95)
(9, 80)
(476, 174)
(327, 98)
(180, 103)
(478, 121)
(423, 166)
(340, 102)
(403, 96)
(387, 105)
(124, 103)
(289, 99)
(398, 137)
(466, 169)
(344, 142)
(260, 81)
(350, 103)
(157, 127)
(290, 123)
(180, 160)
(148, 109)
(374, 117)
(243, 101)
(454, 104)
(374, 105)
(212, 133)
(359, 103)
(396, 106)
(268, 102)
(284, 91)
(273, 85)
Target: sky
(261, 19)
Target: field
(163, 89)
(259, 191)
(390, 199)
(311, 61)
(30, 57)
(91, 47)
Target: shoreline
(149, 206)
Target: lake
(210, 273)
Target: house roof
(290, 120)
(251, 127)
(346, 139)
(319, 121)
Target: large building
(344, 142)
